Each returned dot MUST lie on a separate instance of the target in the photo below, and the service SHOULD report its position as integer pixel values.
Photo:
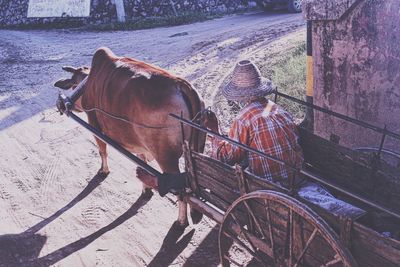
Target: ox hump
(102, 55)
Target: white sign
(58, 8)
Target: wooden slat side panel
(215, 200)
(351, 170)
(219, 189)
(380, 249)
(216, 170)
(225, 174)
(367, 246)
(256, 183)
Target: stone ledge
(327, 9)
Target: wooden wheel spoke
(244, 232)
(337, 259)
(240, 242)
(290, 237)
(271, 235)
(248, 238)
(314, 233)
(250, 210)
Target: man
(261, 125)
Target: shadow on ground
(171, 247)
(23, 249)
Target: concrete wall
(14, 12)
(356, 53)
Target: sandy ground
(54, 210)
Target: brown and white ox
(129, 101)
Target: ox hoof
(180, 227)
(196, 216)
(147, 194)
(102, 173)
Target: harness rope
(141, 125)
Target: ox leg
(147, 192)
(104, 170)
(182, 215)
(171, 165)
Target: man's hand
(210, 121)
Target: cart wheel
(267, 228)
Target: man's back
(266, 127)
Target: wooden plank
(256, 183)
(205, 209)
(215, 169)
(376, 244)
(367, 246)
(221, 190)
(214, 200)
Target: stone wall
(14, 12)
(356, 55)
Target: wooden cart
(267, 223)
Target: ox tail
(196, 105)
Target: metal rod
(382, 142)
(389, 152)
(249, 149)
(114, 144)
(341, 116)
(365, 201)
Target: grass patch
(153, 22)
(287, 70)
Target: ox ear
(69, 69)
(64, 84)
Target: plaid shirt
(266, 127)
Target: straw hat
(246, 83)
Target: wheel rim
(262, 240)
(297, 4)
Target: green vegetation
(287, 70)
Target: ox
(129, 101)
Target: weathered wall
(356, 51)
(14, 12)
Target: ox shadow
(172, 246)
(69, 249)
(206, 253)
(24, 249)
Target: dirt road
(54, 210)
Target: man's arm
(230, 153)
(222, 150)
